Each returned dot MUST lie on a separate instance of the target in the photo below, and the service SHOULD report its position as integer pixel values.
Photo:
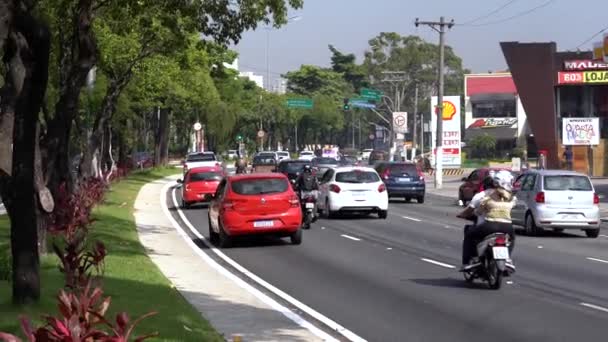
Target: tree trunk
(122, 149)
(157, 136)
(163, 133)
(29, 48)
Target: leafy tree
(312, 80)
(345, 65)
(483, 146)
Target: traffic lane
(385, 294)
(576, 275)
(441, 213)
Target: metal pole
(439, 157)
(267, 59)
(353, 130)
(414, 140)
(422, 134)
(296, 147)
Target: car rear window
(260, 186)
(567, 182)
(400, 169)
(200, 157)
(357, 177)
(205, 176)
(283, 154)
(264, 160)
(292, 167)
(326, 161)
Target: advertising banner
(580, 131)
(582, 77)
(451, 130)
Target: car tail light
(188, 187)
(294, 201)
(500, 240)
(334, 188)
(420, 174)
(540, 197)
(596, 199)
(382, 188)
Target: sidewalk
(228, 306)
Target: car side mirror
(180, 181)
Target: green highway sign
(371, 94)
(362, 102)
(300, 103)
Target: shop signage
(580, 131)
(451, 129)
(582, 77)
(585, 64)
(493, 122)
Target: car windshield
(357, 177)
(201, 157)
(325, 161)
(260, 186)
(264, 160)
(292, 167)
(567, 182)
(205, 176)
(283, 154)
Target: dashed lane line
(350, 237)
(598, 260)
(434, 262)
(596, 307)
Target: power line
(589, 39)
(489, 13)
(521, 14)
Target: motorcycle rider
(493, 210)
(307, 182)
(241, 165)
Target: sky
(349, 24)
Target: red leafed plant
(70, 222)
(80, 316)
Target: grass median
(133, 281)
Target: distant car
(292, 168)
(268, 154)
(352, 189)
(264, 163)
(201, 159)
(348, 161)
(322, 164)
(254, 204)
(365, 154)
(378, 156)
(403, 179)
(473, 183)
(558, 200)
(199, 185)
(306, 155)
(283, 155)
(232, 154)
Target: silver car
(558, 200)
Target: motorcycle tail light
(310, 199)
(500, 240)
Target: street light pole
(268, 29)
(439, 27)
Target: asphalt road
(396, 279)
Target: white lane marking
(389, 249)
(350, 237)
(510, 282)
(604, 236)
(290, 314)
(322, 228)
(411, 218)
(437, 263)
(540, 247)
(596, 307)
(598, 260)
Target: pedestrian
(568, 156)
(542, 161)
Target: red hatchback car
(200, 184)
(254, 204)
(474, 183)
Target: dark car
(377, 156)
(474, 183)
(264, 164)
(402, 179)
(292, 168)
(348, 161)
(322, 164)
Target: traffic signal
(346, 104)
(239, 137)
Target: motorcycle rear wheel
(494, 275)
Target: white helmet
(504, 179)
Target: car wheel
(213, 236)
(408, 199)
(531, 228)
(224, 240)
(383, 214)
(328, 212)
(296, 238)
(460, 196)
(420, 199)
(558, 230)
(592, 233)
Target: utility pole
(397, 80)
(414, 140)
(441, 28)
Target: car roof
(206, 169)
(557, 173)
(353, 168)
(260, 175)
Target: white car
(365, 154)
(352, 189)
(232, 154)
(201, 159)
(283, 155)
(306, 155)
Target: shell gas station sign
(451, 129)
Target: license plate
(569, 217)
(358, 195)
(263, 224)
(404, 179)
(310, 205)
(500, 253)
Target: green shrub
(483, 146)
(6, 267)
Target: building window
(494, 109)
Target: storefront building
(493, 107)
(565, 96)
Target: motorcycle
(308, 199)
(493, 261)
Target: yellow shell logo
(449, 110)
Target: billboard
(582, 77)
(580, 131)
(451, 130)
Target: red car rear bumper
(282, 224)
(197, 196)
